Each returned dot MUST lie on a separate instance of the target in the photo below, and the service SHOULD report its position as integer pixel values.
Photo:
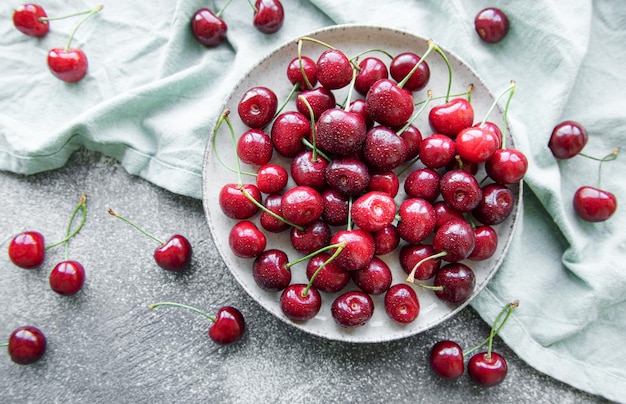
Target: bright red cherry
(487, 369)
(299, 302)
(208, 28)
(491, 24)
(446, 359)
(358, 251)
(401, 303)
(255, 147)
(476, 144)
(257, 107)
(26, 345)
(389, 104)
(235, 204)
(27, 249)
(300, 70)
(69, 65)
(67, 277)
(593, 204)
(402, 64)
(30, 19)
(269, 16)
(334, 69)
(246, 240)
(373, 211)
(507, 166)
(568, 139)
(452, 117)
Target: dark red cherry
(417, 219)
(371, 70)
(491, 25)
(300, 302)
(437, 151)
(288, 130)
(229, 326)
(270, 271)
(27, 249)
(456, 238)
(312, 238)
(386, 239)
(302, 67)
(27, 19)
(358, 251)
(493, 129)
(446, 359)
(246, 240)
(173, 255)
(373, 211)
(412, 139)
(302, 205)
(445, 213)
(388, 104)
(257, 107)
(330, 279)
(496, 204)
(568, 139)
(234, 203)
(411, 254)
(460, 190)
(507, 166)
(269, 222)
(271, 178)
(402, 64)
(358, 106)
(352, 309)
(375, 278)
(319, 99)
(457, 281)
(27, 344)
(452, 117)
(334, 69)
(335, 208)
(67, 277)
(255, 147)
(208, 29)
(383, 149)
(487, 369)
(269, 16)
(423, 183)
(69, 65)
(348, 175)
(486, 243)
(401, 303)
(341, 132)
(593, 204)
(384, 181)
(307, 169)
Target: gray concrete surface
(106, 346)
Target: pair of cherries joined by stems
(591, 203)
(67, 64)
(210, 29)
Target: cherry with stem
(26, 345)
(593, 204)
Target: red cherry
(67, 277)
(27, 19)
(401, 303)
(417, 219)
(235, 204)
(255, 147)
(69, 65)
(302, 205)
(352, 309)
(340, 131)
(246, 240)
(402, 64)
(507, 166)
(299, 302)
(257, 107)
(386, 181)
(476, 144)
(456, 238)
(295, 73)
(487, 369)
(491, 24)
(375, 278)
(208, 29)
(452, 117)
(371, 70)
(486, 243)
(271, 178)
(27, 249)
(309, 169)
(457, 281)
(269, 222)
(269, 16)
(568, 139)
(331, 278)
(26, 345)
(173, 255)
(386, 239)
(288, 130)
(446, 359)
(411, 254)
(389, 104)
(311, 238)
(270, 270)
(229, 326)
(358, 251)
(373, 211)
(319, 99)
(334, 69)
(437, 151)
(593, 204)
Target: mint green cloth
(152, 94)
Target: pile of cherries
(210, 29)
(337, 197)
(67, 64)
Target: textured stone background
(106, 346)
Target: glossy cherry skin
(27, 249)
(375, 278)
(593, 204)
(455, 237)
(423, 183)
(352, 309)
(67, 277)
(234, 203)
(27, 344)
(388, 104)
(335, 208)
(568, 138)
(270, 270)
(411, 254)
(446, 359)
(373, 211)
(437, 151)
(491, 25)
(295, 74)
(334, 69)
(331, 278)
(229, 326)
(341, 132)
(445, 213)
(452, 117)
(496, 204)
(298, 306)
(384, 181)
(288, 130)
(269, 16)
(68, 65)
(460, 190)
(319, 99)
(476, 144)
(312, 238)
(487, 370)
(269, 222)
(413, 139)
(26, 19)
(309, 170)
(417, 219)
(401, 303)
(402, 64)
(458, 281)
(371, 70)
(246, 240)
(254, 146)
(507, 166)
(386, 239)
(383, 149)
(348, 175)
(302, 205)
(207, 28)
(175, 254)
(271, 178)
(359, 249)
(486, 243)
(257, 107)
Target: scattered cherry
(208, 28)
(269, 16)
(593, 204)
(67, 277)
(491, 24)
(228, 324)
(446, 359)
(27, 344)
(568, 139)
(27, 249)
(257, 107)
(31, 20)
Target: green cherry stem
(511, 90)
(89, 14)
(318, 151)
(266, 210)
(411, 277)
(609, 157)
(350, 91)
(63, 17)
(339, 248)
(445, 59)
(112, 213)
(284, 104)
(306, 79)
(495, 328)
(431, 47)
(219, 13)
(317, 41)
(184, 306)
(224, 118)
(313, 126)
(82, 207)
(4, 344)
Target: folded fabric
(152, 93)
